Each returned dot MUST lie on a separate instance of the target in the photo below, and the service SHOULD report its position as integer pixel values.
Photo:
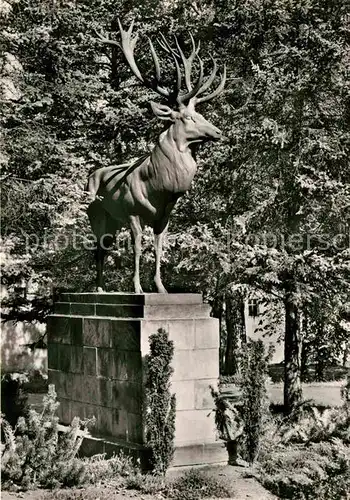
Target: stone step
(159, 311)
(121, 298)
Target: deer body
(149, 193)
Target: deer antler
(200, 87)
(128, 44)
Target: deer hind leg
(136, 232)
(159, 233)
(104, 228)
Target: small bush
(35, 454)
(99, 470)
(194, 485)
(146, 483)
(317, 471)
(160, 404)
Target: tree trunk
(292, 384)
(304, 350)
(346, 354)
(235, 327)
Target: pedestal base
(97, 345)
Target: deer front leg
(136, 231)
(158, 248)
(100, 257)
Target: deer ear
(162, 111)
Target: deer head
(189, 126)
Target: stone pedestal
(96, 349)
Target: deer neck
(172, 162)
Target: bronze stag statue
(145, 192)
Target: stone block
(78, 387)
(120, 423)
(203, 397)
(119, 311)
(215, 453)
(76, 362)
(134, 432)
(91, 390)
(62, 308)
(119, 365)
(97, 332)
(134, 365)
(64, 411)
(207, 333)
(183, 365)
(58, 329)
(196, 364)
(52, 356)
(91, 411)
(76, 331)
(105, 363)
(105, 392)
(127, 365)
(176, 311)
(105, 421)
(77, 410)
(157, 299)
(62, 382)
(200, 454)
(188, 455)
(90, 361)
(205, 363)
(126, 395)
(150, 327)
(91, 446)
(125, 335)
(194, 426)
(103, 298)
(64, 357)
(181, 332)
(185, 394)
(82, 309)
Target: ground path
(237, 479)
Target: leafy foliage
(160, 404)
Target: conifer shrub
(160, 404)
(254, 399)
(35, 454)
